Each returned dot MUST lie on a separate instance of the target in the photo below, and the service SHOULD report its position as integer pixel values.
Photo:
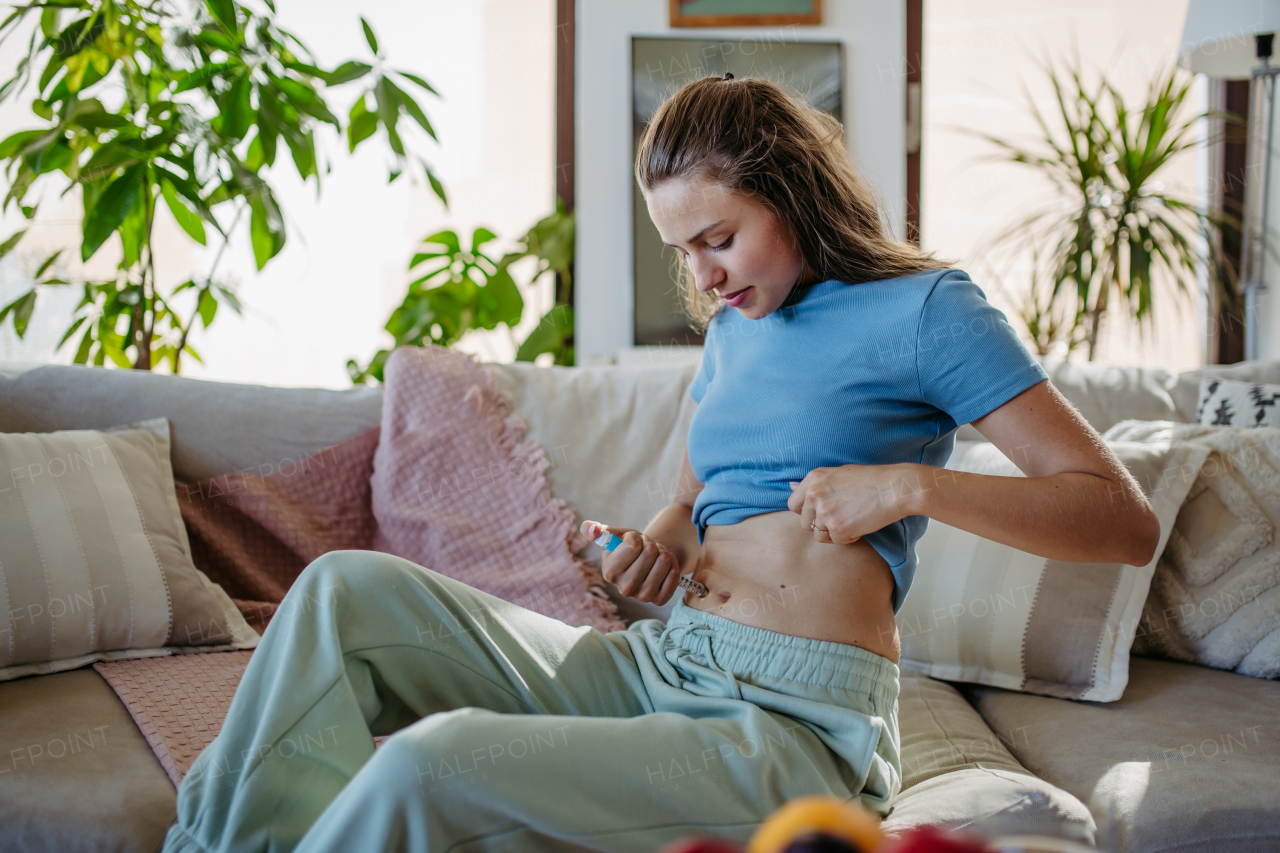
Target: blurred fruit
(843, 821)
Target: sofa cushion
(1215, 594)
(989, 613)
(217, 427)
(1186, 761)
(1225, 402)
(958, 773)
(75, 772)
(1186, 390)
(95, 563)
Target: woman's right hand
(641, 567)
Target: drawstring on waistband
(706, 632)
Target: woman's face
(734, 245)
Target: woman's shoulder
(912, 291)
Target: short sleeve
(708, 369)
(969, 359)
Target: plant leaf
(416, 79)
(230, 298)
(21, 142)
(78, 35)
(200, 76)
(187, 218)
(48, 262)
(436, 186)
(237, 111)
(66, 336)
(304, 155)
(549, 335)
(7, 246)
(225, 12)
(208, 307)
(363, 123)
(368, 35)
(389, 112)
(266, 228)
(412, 108)
(21, 309)
(508, 304)
(110, 209)
(347, 71)
(479, 237)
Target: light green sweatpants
(515, 731)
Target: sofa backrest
(614, 436)
(216, 427)
(1106, 394)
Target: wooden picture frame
(740, 19)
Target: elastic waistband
(743, 649)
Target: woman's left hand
(842, 504)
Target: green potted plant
(206, 105)
(457, 290)
(1112, 225)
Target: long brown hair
(754, 137)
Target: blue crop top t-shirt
(869, 374)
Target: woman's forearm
(1071, 516)
(674, 528)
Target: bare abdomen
(769, 572)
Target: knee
(438, 754)
(351, 570)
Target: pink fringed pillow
(456, 491)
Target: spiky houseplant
(1112, 225)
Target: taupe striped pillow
(983, 612)
(94, 558)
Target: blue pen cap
(607, 540)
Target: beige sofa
(1187, 760)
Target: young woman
(838, 365)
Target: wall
(875, 43)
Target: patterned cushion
(1224, 402)
(94, 557)
(1215, 596)
(984, 612)
(253, 534)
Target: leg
(742, 721)
(474, 780)
(363, 644)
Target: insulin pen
(609, 541)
